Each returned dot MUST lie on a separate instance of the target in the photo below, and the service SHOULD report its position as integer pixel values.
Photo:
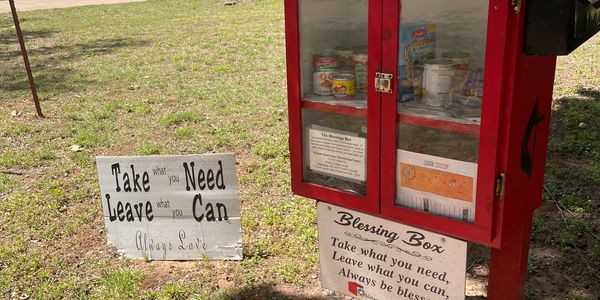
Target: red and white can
(324, 67)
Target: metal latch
(383, 82)
(500, 183)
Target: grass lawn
(184, 77)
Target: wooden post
(25, 58)
(508, 265)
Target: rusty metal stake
(25, 58)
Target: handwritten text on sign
(372, 258)
(171, 207)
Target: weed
(142, 109)
(574, 203)
(18, 130)
(184, 132)
(149, 149)
(6, 182)
(28, 158)
(119, 284)
(82, 159)
(175, 118)
(273, 148)
(173, 291)
(290, 272)
(90, 139)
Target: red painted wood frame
(515, 86)
(482, 230)
(370, 202)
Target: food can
(322, 83)
(324, 65)
(362, 49)
(344, 56)
(461, 60)
(438, 75)
(359, 62)
(343, 86)
(324, 62)
(473, 87)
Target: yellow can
(343, 86)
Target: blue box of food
(417, 43)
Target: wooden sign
(372, 258)
(171, 207)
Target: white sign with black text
(172, 207)
(372, 258)
(337, 153)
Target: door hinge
(516, 6)
(500, 183)
(383, 82)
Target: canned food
(438, 75)
(322, 83)
(474, 84)
(359, 62)
(324, 65)
(343, 86)
(324, 62)
(344, 56)
(461, 60)
(362, 49)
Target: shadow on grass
(575, 127)
(8, 34)
(10, 37)
(565, 257)
(593, 94)
(265, 291)
(51, 64)
(268, 291)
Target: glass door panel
(440, 87)
(333, 67)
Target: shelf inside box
(441, 118)
(355, 107)
(412, 113)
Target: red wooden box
(455, 142)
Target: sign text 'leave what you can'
(372, 258)
(171, 207)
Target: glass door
(437, 111)
(338, 111)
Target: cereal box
(417, 43)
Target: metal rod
(25, 58)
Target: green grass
(149, 149)
(120, 284)
(187, 77)
(6, 181)
(26, 158)
(175, 118)
(156, 77)
(568, 222)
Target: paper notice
(337, 154)
(437, 185)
